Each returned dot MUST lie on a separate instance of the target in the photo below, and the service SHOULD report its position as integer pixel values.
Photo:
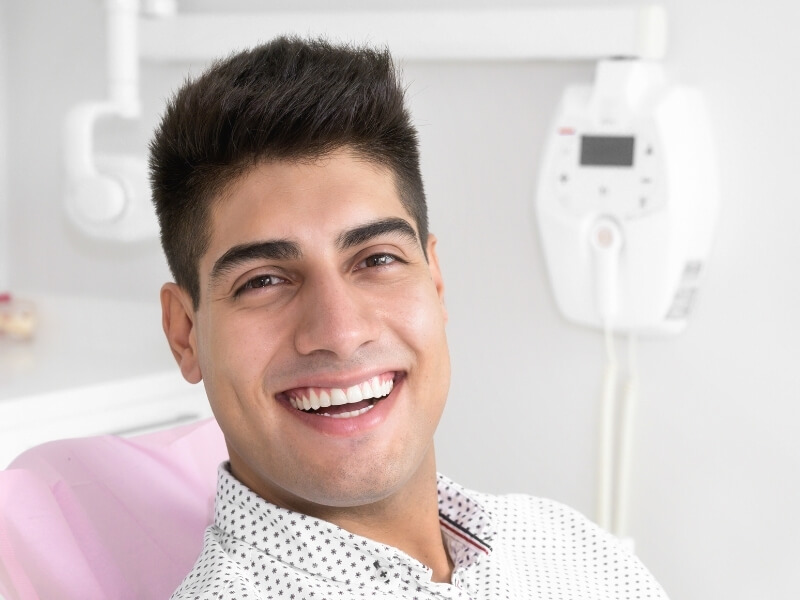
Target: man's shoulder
(514, 514)
(533, 519)
(529, 509)
(530, 529)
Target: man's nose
(336, 317)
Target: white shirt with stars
(502, 547)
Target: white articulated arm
(108, 196)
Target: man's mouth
(342, 403)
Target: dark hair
(289, 99)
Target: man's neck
(407, 520)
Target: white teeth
(374, 388)
(366, 390)
(338, 397)
(324, 398)
(354, 394)
(382, 389)
(315, 404)
(352, 413)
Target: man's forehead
(280, 183)
(339, 199)
(280, 171)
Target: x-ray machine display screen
(606, 151)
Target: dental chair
(107, 517)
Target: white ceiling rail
(423, 35)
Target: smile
(342, 403)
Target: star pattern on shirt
(502, 547)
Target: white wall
(4, 245)
(717, 472)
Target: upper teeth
(314, 398)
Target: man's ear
(177, 319)
(436, 273)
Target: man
(308, 299)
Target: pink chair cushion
(107, 517)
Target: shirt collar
(329, 551)
(465, 523)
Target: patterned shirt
(509, 547)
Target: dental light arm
(107, 195)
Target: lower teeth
(347, 415)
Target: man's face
(315, 291)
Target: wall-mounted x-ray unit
(626, 208)
(627, 199)
(108, 196)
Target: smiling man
(308, 299)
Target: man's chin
(350, 485)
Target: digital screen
(606, 151)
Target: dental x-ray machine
(626, 206)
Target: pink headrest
(107, 517)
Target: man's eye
(261, 281)
(377, 260)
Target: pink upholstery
(107, 517)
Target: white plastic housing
(637, 152)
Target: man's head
(286, 100)
(309, 300)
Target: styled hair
(289, 99)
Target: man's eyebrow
(269, 250)
(364, 233)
